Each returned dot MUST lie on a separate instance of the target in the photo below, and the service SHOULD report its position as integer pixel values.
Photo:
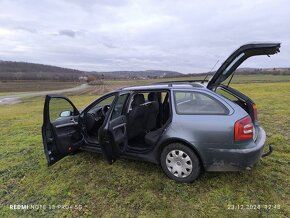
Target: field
(30, 86)
(131, 188)
(18, 87)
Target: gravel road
(14, 99)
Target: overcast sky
(103, 35)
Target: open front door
(60, 131)
(113, 135)
(238, 57)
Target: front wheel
(180, 163)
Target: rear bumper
(238, 159)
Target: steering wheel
(100, 113)
(105, 109)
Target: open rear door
(60, 131)
(238, 57)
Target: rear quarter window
(226, 94)
(190, 102)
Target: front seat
(136, 116)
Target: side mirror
(66, 114)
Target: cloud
(69, 33)
(26, 29)
(186, 36)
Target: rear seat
(136, 116)
(151, 138)
(152, 110)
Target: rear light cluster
(255, 111)
(244, 129)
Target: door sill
(92, 148)
(135, 149)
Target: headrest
(138, 99)
(154, 96)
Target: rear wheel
(180, 163)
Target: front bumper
(238, 159)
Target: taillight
(255, 111)
(244, 129)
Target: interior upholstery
(136, 116)
(147, 117)
(152, 112)
(154, 96)
(166, 109)
(138, 100)
(152, 137)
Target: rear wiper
(209, 72)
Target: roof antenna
(209, 71)
(231, 79)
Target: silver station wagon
(184, 126)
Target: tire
(180, 163)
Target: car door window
(59, 108)
(105, 102)
(119, 107)
(187, 102)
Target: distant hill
(140, 74)
(274, 71)
(250, 71)
(10, 70)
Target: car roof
(165, 85)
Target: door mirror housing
(66, 114)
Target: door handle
(66, 124)
(74, 122)
(120, 125)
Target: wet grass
(132, 188)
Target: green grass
(132, 188)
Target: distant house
(163, 75)
(83, 78)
